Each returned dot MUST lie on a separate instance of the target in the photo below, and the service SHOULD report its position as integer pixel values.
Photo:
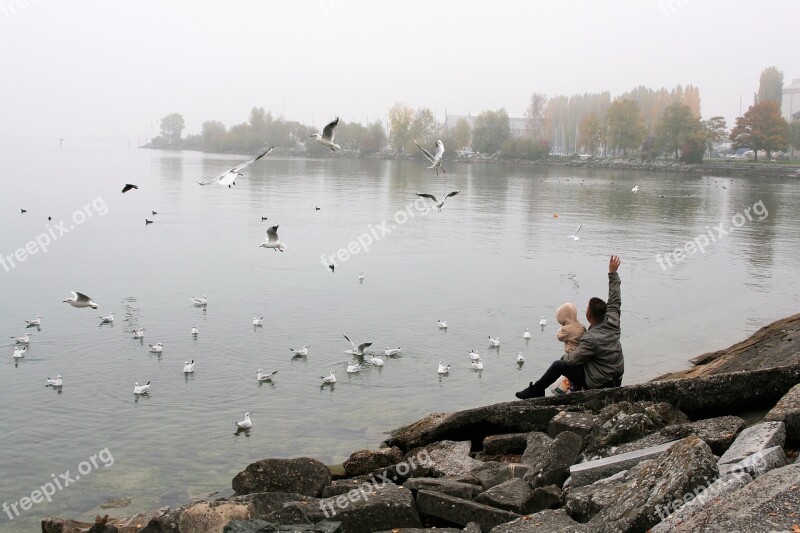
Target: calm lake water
(491, 263)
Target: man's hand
(613, 263)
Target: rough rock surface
(787, 410)
(211, 517)
(591, 471)
(717, 432)
(264, 503)
(445, 458)
(536, 446)
(543, 522)
(492, 473)
(458, 489)
(366, 461)
(508, 444)
(753, 440)
(553, 467)
(625, 422)
(757, 464)
(303, 475)
(513, 495)
(458, 511)
(582, 503)
(578, 423)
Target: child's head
(567, 314)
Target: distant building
(791, 100)
(518, 125)
(796, 116)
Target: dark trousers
(559, 368)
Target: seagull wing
(428, 155)
(439, 149)
(129, 186)
(248, 163)
(272, 233)
(364, 346)
(348, 340)
(451, 194)
(577, 230)
(80, 297)
(330, 130)
(432, 197)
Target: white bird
(352, 367)
(357, 350)
(436, 202)
(391, 351)
(442, 324)
(195, 330)
(141, 389)
(494, 342)
(520, 359)
(55, 382)
(477, 365)
(435, 160)
(107, 319)
(376, 360)
(19, 352)
(635, 189)
(361, 277)
(575, 235)
(36, 321)
(543, 321)
(299, 352)
(329, 379)
(473, 355)
(229, 176)
(199, 302)
(246, 423)
(328, 133)
(265, 377)
(273, 241)
(443, 369)
(188, 367)
(156, 348)
(138, 333)
(257, 320)
(527, 334)
(81, 300)
(26, 339)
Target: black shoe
(530, 392)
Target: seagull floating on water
(494, 342)
(329, 379)
(265, 377)
(377, 360)
(81, 300)
(357, 350)
(391, 351)
(58, 382)
(156, 348)
(352, 367)
(442, 324)
(246, 423)
(107, 319)
(300, 352)
(474, 356)
(19, 352)
(361, 277)
(229, 176)
(520, 359)
(332, 267)
(36, 321)
(146, 221)
(23, 211)
(443, 369)
(635, 189)
(575, 235)
(141, 389)
(439, 205)
(543, 321)
(328, 133)
(200, 302)
(195, 331)
(257, 320)
(25, 339)
(527, 334)
(477, 365)
(273, 241)
(129, 186)
(188, 368)
(263, 219)
(435, 160)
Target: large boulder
(211, 517)
(543, 522)
(458, 489)
(264, 503)
(513, 495)
(366, 461)
(717, 432)
(492, 473)
(578, 423)
(625, 422)
(537, 444)
(787, 411)
(445, 458)
(507, 444)
(583, 503)
(754, 439)
(553, 467)
(303, 475)
(461, 512)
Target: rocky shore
(713, 448)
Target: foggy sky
(106, 70)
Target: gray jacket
(599, 350)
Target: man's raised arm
(614, 304)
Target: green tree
(693, 146)
(492, 128)
(761, 128)
(401, 118)
(676, 125)
(770, 86)
(171, 128)
(592, 133)
(423, 128)
(716, 130)
(626, 129)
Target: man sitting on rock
(597, 362)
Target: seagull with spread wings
(229, 176)
(436, 160)
(357, 350)
(272, 239)
(328, 133)
(436, 202)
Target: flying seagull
(129, 186)
(575, 235)
(357, 350)
(272, 239)
(23, 211)
(635, 189)
(436, 202)
(436, 160)
(229, 176)
(328, 133)
(81, 300)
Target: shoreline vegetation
(713, 447)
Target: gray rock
(583, 503)
(543, 522)
(686, 465)
(553, 467)
(578, 423)
(769, 503)
(755, 439)
(341, 486)
(787, 410)
(458, 511)
(536, 447)
(472, 527)
(591, 471)
(446, 458)
(291, 514)
(757, 464)
(328, 527)
(424, 530)
(249, 526)
(366, 461)
(264, 503)
(513, 495)
(303, 475)
(550, 497)
(625, 422)
(492, 473)
(717, 432)
(457, 489)
(519, 470)
(508, 444)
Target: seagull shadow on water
(240, 431)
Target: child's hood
(567, 314)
